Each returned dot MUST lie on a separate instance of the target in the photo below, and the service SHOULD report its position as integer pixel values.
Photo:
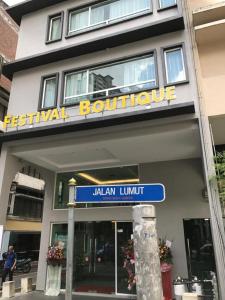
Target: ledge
(127, 36)
(100, 122)
(17, 11)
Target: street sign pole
(70, 239)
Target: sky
(12, 2)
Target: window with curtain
(118, 78)
(106, 12)
(75, 87)
(49, 92)
(55, 28)
(175, 68)
(167, 3)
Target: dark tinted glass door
(94, 269)
(199, 247)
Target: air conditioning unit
(2, 129)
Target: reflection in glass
(124, 234)
(123, 74)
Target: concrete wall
(212, 61)
(33, 27)
(24, 97)
(184, 184)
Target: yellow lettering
(38, 117)
(132, 100)
(54, 114)
(31, 118)
(14, 121)
(22, 120)
(45, 115)
(85, 108)
(7, 120)
(124, 100)
(98, 106)
(170, 93)
(111, 104)
(63, 114)
(143, 98)
(159, 98)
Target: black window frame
(163, 50)
(43, 79)
(106, 63)
(50, 17)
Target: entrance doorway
(99, 257)
(94, 269)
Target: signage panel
(120, 193)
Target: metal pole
(70, 239)
(147, 263)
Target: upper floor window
(105, 13)
(167, 3)
(49, 91)
(114, 79)
(175, 66)
(55, 24)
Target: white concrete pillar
(189, 296)
(147, 263)
(8, 289)
(26, 285)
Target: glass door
(94, 268)
(124, 266)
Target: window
(167, 3)
(49, 91)
(105, 13)
(175, 67)
(55, 28)
(118, 78)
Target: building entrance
(94, 269)
(99, 257)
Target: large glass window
(105, 13)
(49, 91)
(128, 174)
(124, 77)
(55, 28)
(175, 68)
(167, 3)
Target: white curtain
(75, 84)
(99, 14)
(166, 3)
(49, 92)
(125, 7)
(139, 70)
(55, 29)
(79, 20)
(175, 66)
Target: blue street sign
(120, 193)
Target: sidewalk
(40, 296)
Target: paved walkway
(41, 296)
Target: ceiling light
(99, 182)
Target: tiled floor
(41, 296)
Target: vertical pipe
(70, 239)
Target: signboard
(87, 107)
(120, 193)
